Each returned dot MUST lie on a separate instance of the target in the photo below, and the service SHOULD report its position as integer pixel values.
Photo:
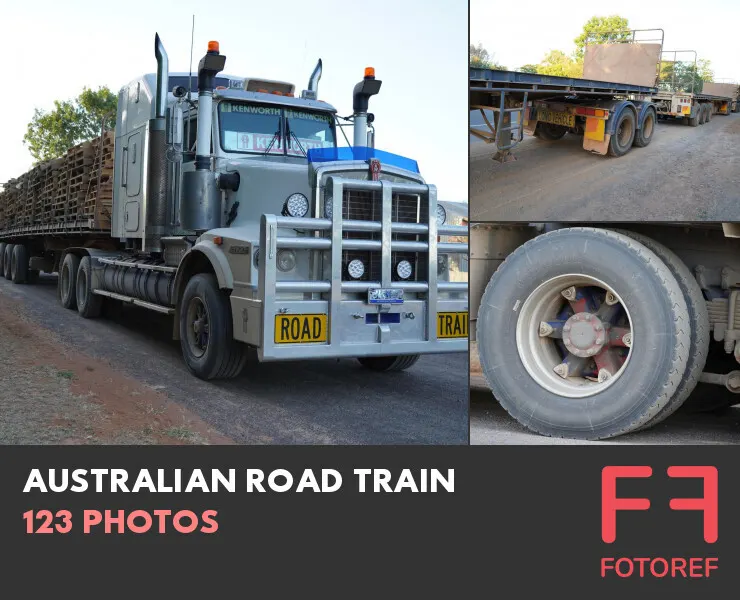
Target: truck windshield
(269, 129)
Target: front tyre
(206, 331)
(583, 333)
(389, 363)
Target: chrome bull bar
(271, 241)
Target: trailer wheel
(389, 363)
(583, 333)
(206, 331)
(2, 258)
(89, 305)
(710, 110)
(695, 120)
(624, 134)
(67, 281)
(19, 264)
(698, 321)
(7, 257)
(549, 131)
(644, 135)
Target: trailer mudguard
(615, 108)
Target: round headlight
(356, 268)
(296, 206)
(328, 207)
(403, 269)
(285, 260)
(441, 264)
(441, 215)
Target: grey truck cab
(238, 212)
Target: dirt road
(685, 174)
(306, 402)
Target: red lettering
(708, 503)
(610, 504)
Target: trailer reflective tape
(300, 329)
(594, 129)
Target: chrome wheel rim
(574, 335)
(198, 321)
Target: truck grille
(368, 206)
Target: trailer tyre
(19, 264)
(549, 131)
(2, 258)
(696, 119)
(698, 321)
(89, 305)
(67, 281)
(644, 135)
(7, 257)
(206, 331)
(389, 363)
(598, 276)
(624, 134)
(710, 110)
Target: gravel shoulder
(685, 174)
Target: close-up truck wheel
(206, 331)
(624, 134)
(698, 318)
(583, 333)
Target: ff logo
(708, 504)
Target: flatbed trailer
(611, 116)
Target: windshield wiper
(291, 135)
(277, 135)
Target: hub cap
(198, 327)
(574, 335)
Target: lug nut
(627, 339)
(562, 370)
(604, 375)
(611, 299)
(569, 293)
(545, 329)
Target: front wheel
(583, 333)
(206, 331)
(389, 363)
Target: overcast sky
(519, 34)
(51, 49)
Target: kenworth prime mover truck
(598, 330)
(627, 85)
(238, 214)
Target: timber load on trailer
(72, 193)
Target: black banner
(520, 521)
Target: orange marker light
(212, 46)
(218, 240)
(369, 72)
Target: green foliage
(481, 59)
(51, 134)
(601, 30)
(680, 75)
(528, 68)
(559, 63)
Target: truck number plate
(385, 296)
(556, 118)
(452, 324)
(300, 329)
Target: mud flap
(596, 146)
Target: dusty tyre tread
(20, 260)
(698, 320)
(2, 258)
(6, 260)
(675, 301)
(385, 365)
(92, 305)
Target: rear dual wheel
(624, 134)
(2, 258)
(550, 131)
(644, 135)
(6, 258)
(581, 346)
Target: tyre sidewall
(219, 328)
(72, 264)
(7, 256)
(632, 397)
(640, 139)
(617, 148)
(19, 271)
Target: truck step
(167, 310)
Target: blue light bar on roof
(317, 155)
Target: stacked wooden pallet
(98, 201)
(75, 190)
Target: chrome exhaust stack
(157, 171)
(312, 93)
